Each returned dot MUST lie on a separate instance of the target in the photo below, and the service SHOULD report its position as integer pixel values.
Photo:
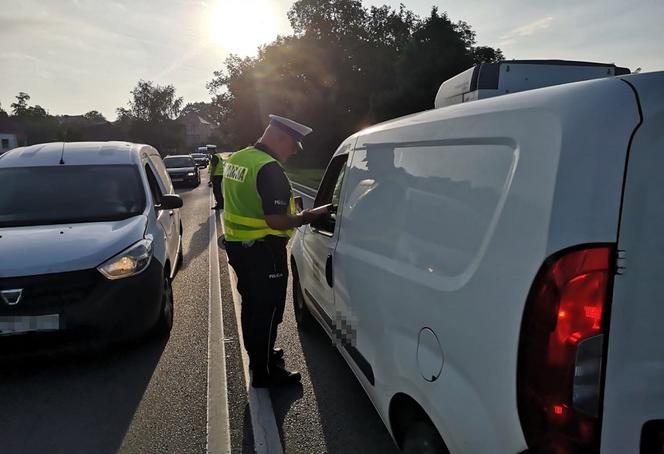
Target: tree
(20, 107)
(152, 103)
(345, 68)
(150, 116)
(327, 19)
(484, 54)
(94, 116)
(207, 110)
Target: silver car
(90, 240)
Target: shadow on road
(347, 416)
(197, 244)
(74, 404)
(283, 398)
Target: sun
(241, 26)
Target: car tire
(165, 321)
(422, 438)
(303, 317)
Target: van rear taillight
(561, 351)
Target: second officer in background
(216, 170)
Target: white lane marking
(263, 421)
(218, 425)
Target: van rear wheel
(422, 438)
(303, 317)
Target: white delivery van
(494, 270)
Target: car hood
(180, 169)
(45, 249)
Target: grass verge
(307, 177)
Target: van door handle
(329, 274)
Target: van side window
(330, 192)
(154, 186)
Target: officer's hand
(308, 216)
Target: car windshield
(69, 194)
(184, 161)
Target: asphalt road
(151, 396)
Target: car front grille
(50, 291)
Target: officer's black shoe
(277, 354)
(276, 377)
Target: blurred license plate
(177, 179)
(26, 324)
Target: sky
(73, 56)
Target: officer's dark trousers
(262, 273)
(216, 190)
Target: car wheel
(165, 322)
(303, 317)
(422, 438)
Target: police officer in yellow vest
(259, 218)
(216, 171)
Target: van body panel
(419, 225)
(634, 386)
(586, 200)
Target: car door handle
(329, 274)
(171, 213)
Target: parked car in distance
(91, 239)
(183, 170)
(201, 159)
(492, 270)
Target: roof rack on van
(487, 80)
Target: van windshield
(69, 194)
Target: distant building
(11, 134)
(198, 129)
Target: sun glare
(241, 26)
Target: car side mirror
(170, 202)
(299, 204)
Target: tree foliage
(94, 116)
(208, 110)
(150, 116)
(346, 67)
(151, 103)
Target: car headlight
(191, 174)
(129, 262)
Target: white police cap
(294, 129)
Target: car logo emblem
(11, 297)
